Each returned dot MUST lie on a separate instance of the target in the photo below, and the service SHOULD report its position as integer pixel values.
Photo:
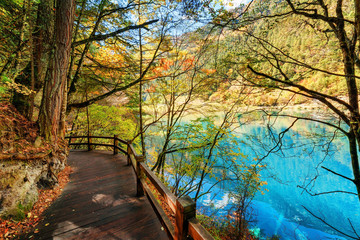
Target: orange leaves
(208, 71)
(151, 89)
(165, 65)
(188, 63)
(94, 92)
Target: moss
(19, 213)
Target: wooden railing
(184, 208)
(90, 145)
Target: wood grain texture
(100, 203)
(198, 232)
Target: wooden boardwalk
(100, 202)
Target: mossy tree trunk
(52, 114)
(43, 36)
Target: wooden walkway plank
(100, 202)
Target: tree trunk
(141, 128)
(354, 160)
(51, 119)
(42, 45)
(353, 137)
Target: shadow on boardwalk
(99, 202)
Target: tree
(332, 19)
(53, 106)
(29, 72)
(269, 59)
(86, 49)
(179, 80)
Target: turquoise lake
(281, 210)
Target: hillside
(286, 46)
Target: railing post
(69, 140)
(139, 189)
(89, 142)
(129, 152)
(116, 143)
(185, 210)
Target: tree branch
(323, 193)
(313, 120)
(100, 97)
(326, 223)
(101, 37)
(338, 174)
(316, 95)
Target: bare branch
(313, 120)
(338, 174)
(327, 224)
(314, 94)
(101, 37)
(294, 60)
(323, 193)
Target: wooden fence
(184, 208)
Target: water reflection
(282, 210)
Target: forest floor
(19, 141)
(19, 137)
(11, 229)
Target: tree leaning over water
(271, 63)
(302, 49)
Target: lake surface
(281, 210)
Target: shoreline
(199, 108)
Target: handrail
(90, 144)
(183, 208)
(164, 219)
(169, 197)
(197, 231)
(104, 137)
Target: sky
(236, 3)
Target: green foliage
(211, 151)
(19, 215)
(223, 227)
(196, 154)
(4, 89)
(216, 227)
(7, 85)
(107, 121)
(201, 149)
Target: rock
(38, 142)
(27, 162)
(20, 181)
(18, 185)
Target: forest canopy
(84, 66)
